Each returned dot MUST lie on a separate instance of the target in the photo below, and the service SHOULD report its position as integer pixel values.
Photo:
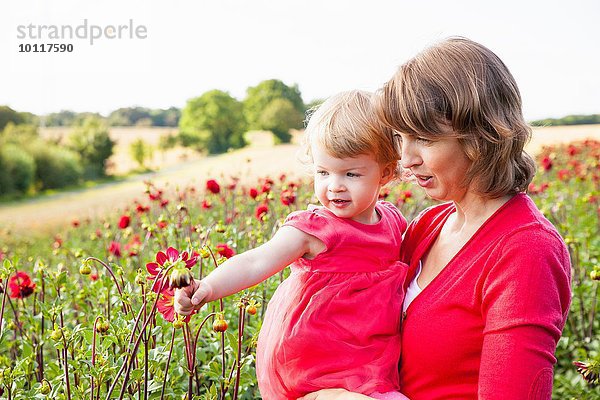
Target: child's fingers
(182, 302)
(200, 294)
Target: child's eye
(322, 173)
(352, 175)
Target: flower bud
(204, 253)
(220, 227)
(178, 323)
(220, 325)
(251, 309)
(102, 326)
(180, 276)
(56, 334)
(85, 268)
(45, 388)
(139, 278)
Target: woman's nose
(409, 158)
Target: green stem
(162, 392)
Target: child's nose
(336, 186)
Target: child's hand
(191, 297)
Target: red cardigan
(487, 326)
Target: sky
(185, 48)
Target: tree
(259, 97)
(7, 115)
(140, 152)
(62, 118)
(215, 120)
(19, 134)
(92, 142)
(312, 105)
(279, 116)
(129, 116)
(168, 117)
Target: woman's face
(439, 166)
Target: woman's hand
(334, 394)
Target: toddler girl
(334, 322)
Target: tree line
(568, 120)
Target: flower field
(88, 312)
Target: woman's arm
(525, 298)
(248, 269)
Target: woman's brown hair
(463, 85)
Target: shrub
(17, 169)
(92, 142)
(56, 167)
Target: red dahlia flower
(212, 186)
(384, 193)
(233, 184)
(268, 183)
(261, 211)
(115, 248)
(162, 224)
(20, 285)
(165, 306)
(124, 221)
(225, 250)
(179, 274)
(590, 371)
(253, 193)
(547, 163)
(133, 247)
(155, 196)
(140, 209)
(288, 197)
(572, 150)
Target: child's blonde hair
(346, 125)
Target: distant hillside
(569, 120)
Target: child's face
(349, 187)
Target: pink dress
(334, 322)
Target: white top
(413, 289)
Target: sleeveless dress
(334, 322)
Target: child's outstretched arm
(248, 268)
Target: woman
(488, 288)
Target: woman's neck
(473, 210)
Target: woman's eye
(321, 172)
(423, 140)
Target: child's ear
(387, 173)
